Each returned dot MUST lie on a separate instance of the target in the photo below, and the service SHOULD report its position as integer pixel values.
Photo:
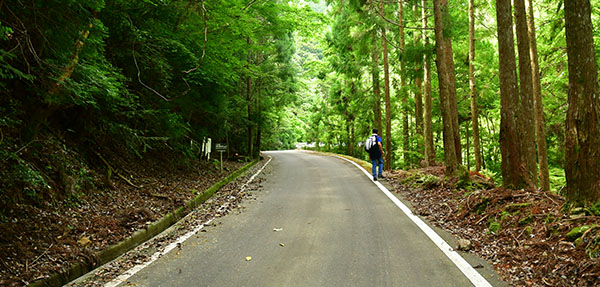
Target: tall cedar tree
(447, 84)
(582, 156)
(510, 146)
(249, 99)
(428, 126)
(376, 88)
(542, 150)
(403, 94)
(526, 116)
(418, 82)
(473, 88)
(388, 118)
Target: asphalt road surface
(335, 228)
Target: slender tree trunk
(453, 101)
(35, 122)
(376, 90)
(428, 126)
(526, 116)
(259, 127)
(68, 70)
(402, 92)
(542, 150)
(472, 88)
(348, 149)
(259, 120)
(419, 85)
(442, 45)
(249, 99)
(353, 139)
(349, 118)
(388, 118)
(468, 148)
(582, 155)
(509, 142)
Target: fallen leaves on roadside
(53, 237)
(522, 233)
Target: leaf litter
(522, 233)
(40, 240)
(226, 200)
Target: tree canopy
(162, 75)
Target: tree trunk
(453, 102)
(388, 118)
(258, 143)
(473, 89)
(41, 114)
(542, 150)
(509, 142)
(418, 84)
(468, 148)
(249, 99)
(353, 139)
(526, 115)
(376, 90)
(348, 149)
(349, 119)
(442, 46)
(582, 155)
(402, 92)
(428, 126)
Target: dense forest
(140, 78)
(507, 91)
(91, 88)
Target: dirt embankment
(89, 206)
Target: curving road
(336, 228)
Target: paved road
(338, 230)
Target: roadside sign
(221, 147)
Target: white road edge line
(460, 262)
(135, 269)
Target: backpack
(370, 143)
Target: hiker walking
(375, 149)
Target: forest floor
(525, 234)
(38, 240)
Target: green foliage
(577, 232)
(557, 178)
(526, 220)
(136, 76)
(494, 227)
(163, 75)
(595, 209)
(23, 176)
(482, 205)
(420, 180)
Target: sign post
(221, 148)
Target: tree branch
(139, 72)
(249, 4)
(188, 88)
(205, 40)
(382, 16)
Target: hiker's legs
(380, 160)
(374, 163)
